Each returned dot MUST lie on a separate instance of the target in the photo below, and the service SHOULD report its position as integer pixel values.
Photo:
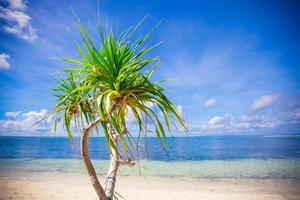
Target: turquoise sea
(204, 157)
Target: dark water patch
(182, 148)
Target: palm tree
(107, 83)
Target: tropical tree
(109, 81)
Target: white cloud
(278, 119)
(12, 114)
(209, 103)
(23, 121)
(17, 20)
(149, 104)
(17, 4)
(215, 120)
(296, 114)
(3, 61)
(285, 115)
(180, 110)
(132, 122)
(264, 102)
(21, 18)
(130, 118)
(238, 124)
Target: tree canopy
(110, 80)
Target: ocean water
(205, 156)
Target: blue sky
(233, 66)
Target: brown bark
(88, 164)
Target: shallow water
(205, 157)
(244, 168)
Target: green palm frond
(109, 82)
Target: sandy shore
(72, 186)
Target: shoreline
(71, 185)
(247, 179)
(243, 168)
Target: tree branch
(127, 162)
(88, 163)
(92, 125)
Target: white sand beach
(72, 186)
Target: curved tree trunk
(88, 164)
(114, 164)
